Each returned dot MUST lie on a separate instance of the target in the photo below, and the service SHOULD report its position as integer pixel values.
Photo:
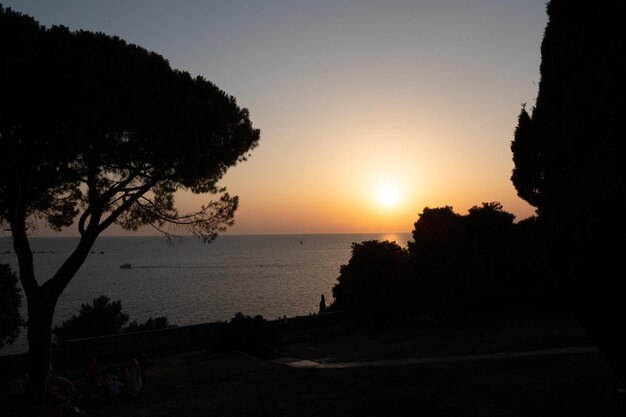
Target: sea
(190, 282)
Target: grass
(475, 334)
(239, 385)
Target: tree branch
(206, 223)
(83, 219)
(126, 205)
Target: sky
(369, 111)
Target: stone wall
(171, 339)
(152, 342)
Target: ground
(236, 384)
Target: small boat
(125, 266)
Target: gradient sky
(349, 95)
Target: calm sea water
(191, 282)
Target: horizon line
(228, 234)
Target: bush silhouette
(150, 324)
(248, 334)
(102, 318)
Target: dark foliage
(439, 241)
(150, 324)
(491, 253)
(569, 161)
(10, 301)
(455, 263)
(117, 119)
(527, 175)
(252, 335)
(372, 284)
(95, 131)
(462, 262)
(532, 281)
(103, 317)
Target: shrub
(101, 318)
(150, 324)
(248, 334)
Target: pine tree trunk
(42, 301)
(40, 314)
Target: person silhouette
(322, 304)
(135, 382)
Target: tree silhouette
(528, 172)
(440, 242)
(568, 162)
(103, 132)
(455, 264)
(462, 262)
(490, 227)
(101, 317)
(372, 284)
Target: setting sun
(388, 195)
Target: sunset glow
(367, 114)
(388, 195)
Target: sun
(388, 195)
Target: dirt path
(305, 363)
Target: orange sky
(422, 96)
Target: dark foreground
(195, 384)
